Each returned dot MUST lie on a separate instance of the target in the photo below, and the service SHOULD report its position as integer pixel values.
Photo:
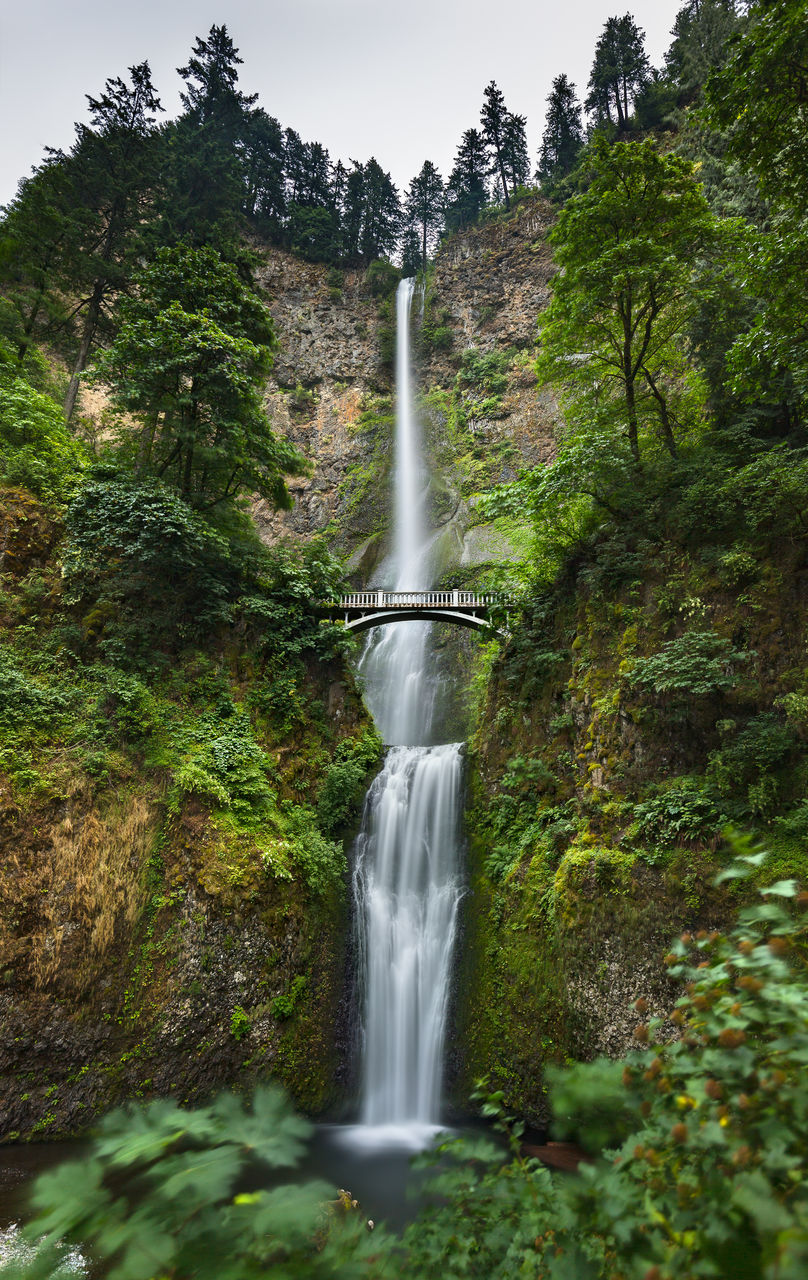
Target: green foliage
(320, 861)
(37, 451)
(278, 615)
(681, 813)
(25, 702)
(761, 83)
(165, 1191)
(484, 371)
(284, 1006)
(623, 297)
(144, 566)
(217, 758)
(696, 664)
(344, 781)
(240, 1025)
(189, 358)
(381, 278)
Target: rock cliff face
(332, 389)
(156, 940)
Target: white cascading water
(406, 878)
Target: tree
(625, 289)
(381, 213)
(112, 168)
(700, 33)
(42, 233)
(494, 118)
(563, 132)
(424, 206)
(467, 191)
(515, 153)
(760, 95)
(620, 71)
(189, 359)
(204, 181)
(261, 152)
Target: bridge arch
(362, 610)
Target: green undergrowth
(650, 698)
(173, 760)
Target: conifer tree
(563, 132)
(494, 117)
(620, 71)
(204, 181)
(261, 151)
(467, 190)
(112, 168)
(424, 207)
(700, 33)
(41, 234)
(515, 152)
(381, 212)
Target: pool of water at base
(373, 1163)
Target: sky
(363, 77)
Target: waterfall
(406, 876)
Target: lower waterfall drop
(407, 890)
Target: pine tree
(563, 132)
(424, 207)
(494, 117)
(261, 152)
(204, 182)
(620, 71)
(113, 168)
(381, 219)
(467, 190)
(42, 232)
(515, 152)
(700, 33)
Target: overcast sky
(364, 77)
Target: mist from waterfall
(406, 876)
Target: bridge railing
(419, 599)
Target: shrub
(344, 783)
(696, 664)
(36, 449)
(680, 814)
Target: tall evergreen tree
(424, 207)
(42, 233)
(494, 118)
(113, 168)
(620, 71)
(563, 132)
(515, 152)
(204, 180)
(381, 212)
(351, 212)
(189, 361)
(700, 34)
(467, 190)
(262, 156)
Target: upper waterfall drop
(409, 487)
(400, 689)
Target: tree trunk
(664, 416)
(146, 444)
(501, 164)
(88, 333)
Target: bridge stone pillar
(455, 599)
(379, 599)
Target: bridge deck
(364, 609)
